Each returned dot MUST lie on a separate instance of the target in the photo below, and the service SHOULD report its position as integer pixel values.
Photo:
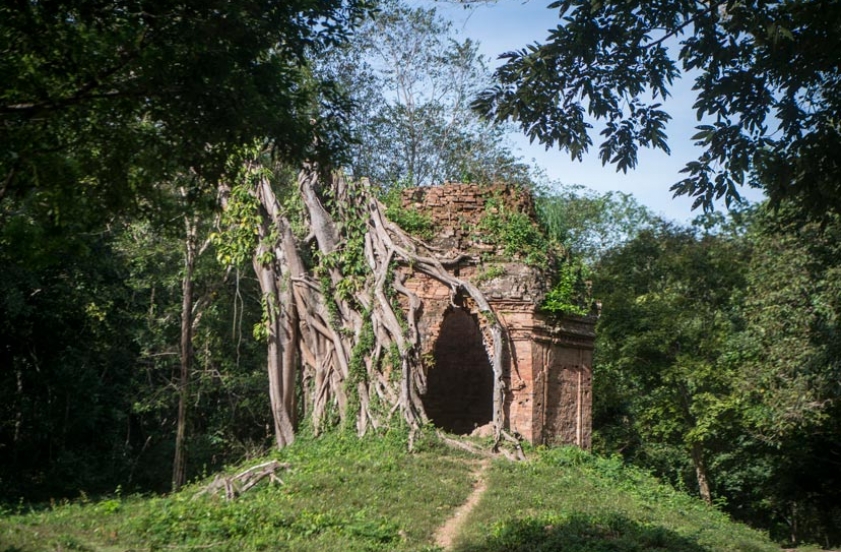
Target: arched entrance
(459, 394)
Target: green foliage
(788, 354)
(664, 392)
(488, 274)
(588, 223)
(241, 220)
(67, 337)
(268, 313)
(350, 259)
(727, 340)
(571, 293)
(412, 221)
(791, 308)
(90, 328)
(228, 410)
(519, 236)
(326, 287)
(357, 370)
(116, 120)
(340, 493)
(765, 78)
(102, 102)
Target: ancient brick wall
(565, 353)
(547, 364)
(457, 211)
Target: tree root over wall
(346, 329)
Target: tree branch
(679, 28)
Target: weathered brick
(547, 368)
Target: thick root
(233, 486)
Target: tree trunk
(279, 318)
(276, 320)
(179, 464)
(19, 397)
(701, 472)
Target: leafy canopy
(109, 96)
(766, 75)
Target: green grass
(569, 500)
(345, 494)
(341, 494)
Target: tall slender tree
(412, 79)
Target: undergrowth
(412, 221)
(342, 493)
(521, 238)
(518, 235)
(568, 500)
(571, 292)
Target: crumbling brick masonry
(548, 362)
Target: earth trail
(445, 535)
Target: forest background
(134, 325)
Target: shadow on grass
(580, 533)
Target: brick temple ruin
(547, 365)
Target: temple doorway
(459, 393)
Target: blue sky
(512, 24)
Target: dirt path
(445, 534)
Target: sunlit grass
(565, 499)
(345, 494)
(339, 494)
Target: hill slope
(346, 494)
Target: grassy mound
(571, 501)
(345, 494)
